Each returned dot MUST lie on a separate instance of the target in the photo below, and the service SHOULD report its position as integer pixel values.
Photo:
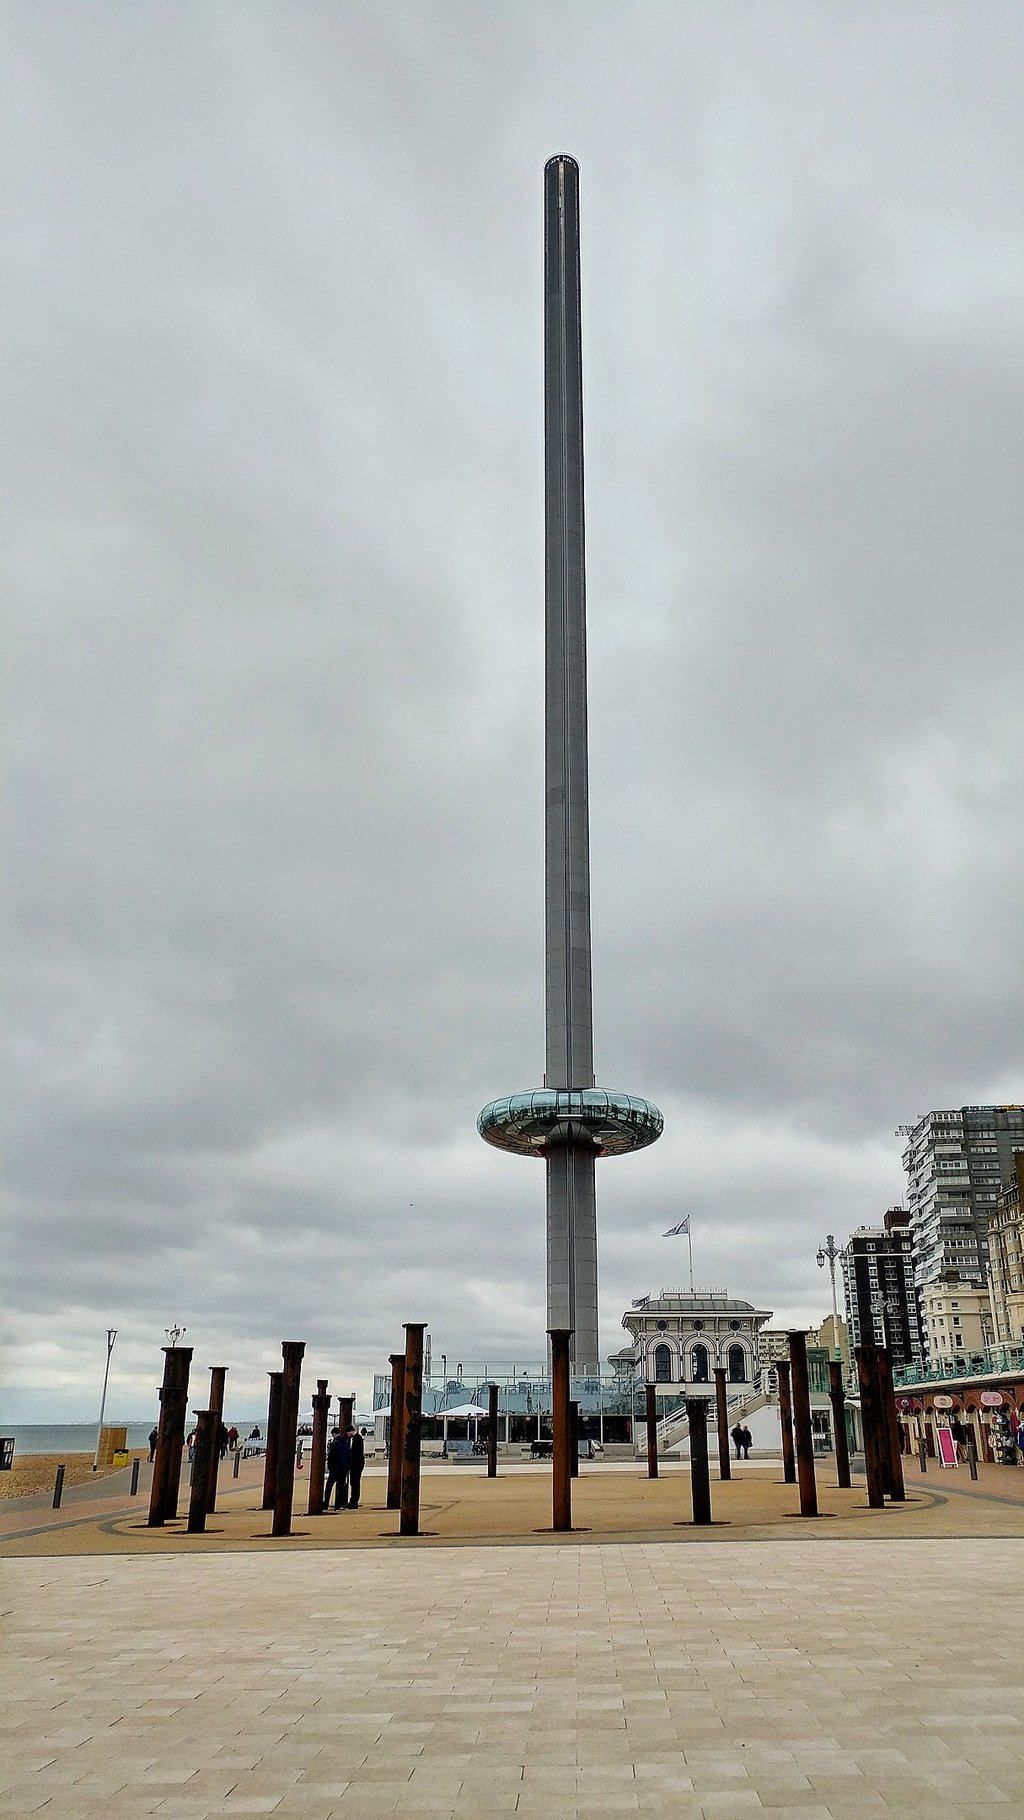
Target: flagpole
(689, 1247)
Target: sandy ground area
(35, 1472)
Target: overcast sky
(272, 442)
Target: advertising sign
(946, 1447)
(991, 1399)
(943, 1402)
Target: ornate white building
(680, 1336)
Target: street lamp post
(832, 1254)
(111, 1337)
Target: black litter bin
(6, 1452)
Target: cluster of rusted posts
(883, 1462)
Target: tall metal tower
(570, 1122)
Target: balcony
(993, 1361)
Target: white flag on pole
(673, 1231)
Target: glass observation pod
(527, 1123)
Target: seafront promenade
(861, 1664)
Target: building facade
(1006, 1259)
(957, 1317)
(881, 1294)
(956, 1162)
(680, 1337)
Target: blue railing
(993, 1361)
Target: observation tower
(569, 1121)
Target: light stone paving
(807, 1678)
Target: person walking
(737, 1439)
(356, 1461)
(152, 1445)
(747, 1441)
(337, 1470)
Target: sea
(80, 1437)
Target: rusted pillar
(700, 1475)
(786, 1422)
(273, 1428)
(803, 1431)
(207, 1439)
(837, 1398)
(318, 1449)
(890, 1425)
(409, 1523)
(722, 1417)
(492, 1431)
(574, 1440)
(395, 1444)
(561, 1477)
(217, 1375)
(867, 1377)
(163, 1495)
(345, 1408)
(652, 1432)
(292, 1352)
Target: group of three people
(345, 1457)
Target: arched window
(699, 1364)
(737, 1365)
(662, 1365)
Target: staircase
(673, 1430)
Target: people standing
(356, 1460)
(747, 1441)
(337, 1470)
(153, 1437)
(737, 1439)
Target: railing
(994, 1361)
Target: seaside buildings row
(941, 1280)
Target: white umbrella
(464, 1412)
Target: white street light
(111, 1337)
(831, 1254)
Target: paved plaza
(808, 1678)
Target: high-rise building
(569, 1121)
(1006, 1258)
(956, 1163)
(881, 1298)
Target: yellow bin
(121, 1457)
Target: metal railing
(993, 1361)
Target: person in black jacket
(356, 1459)
(337, 1470)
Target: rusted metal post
(867, 1376)
(803, 1430)
(561, 1474)
(345, 1408)
(273, 1431)
(722, 1418)
(700, 1474)
(574, 1440)
(318, 1449)
(395, 1442)
(652, 1431)
(837, 1398)
(292, 1352)
(207, 1433)
(218, 1373)
(492, 1431)
(409, 1522)
(163, 1493)
(786, 1422)
(890, 1424)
